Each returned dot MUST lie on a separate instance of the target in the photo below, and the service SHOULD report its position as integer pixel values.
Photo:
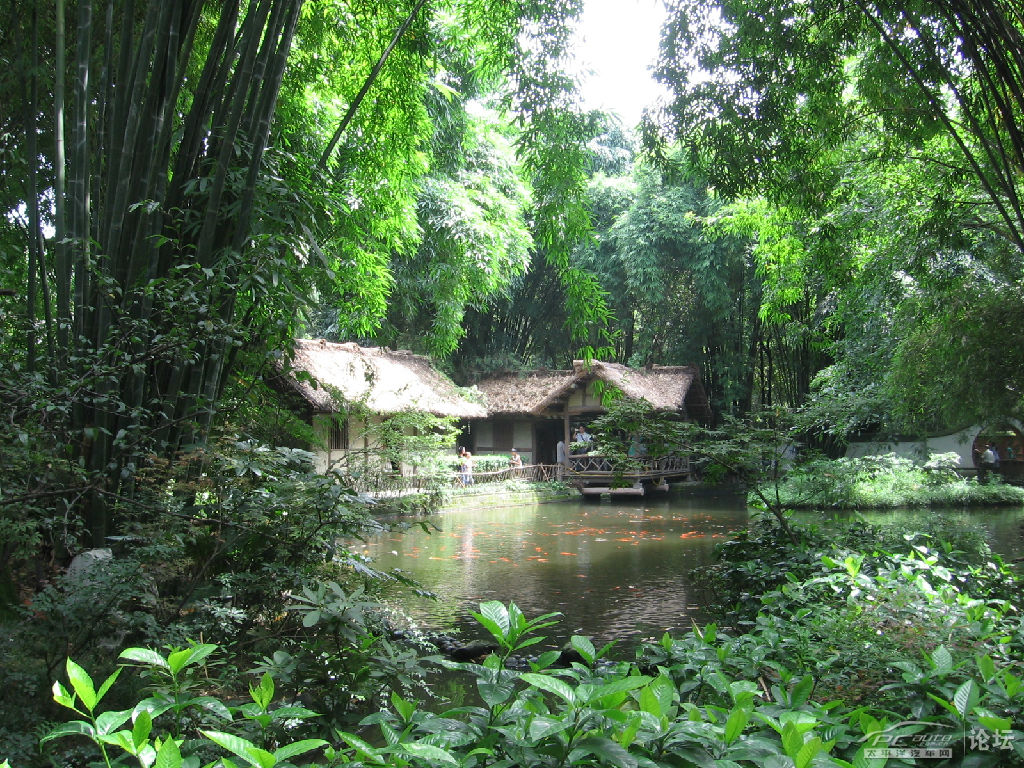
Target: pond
(617, 570)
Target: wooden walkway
(591, 475)
(594, 475)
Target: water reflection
(615, 570)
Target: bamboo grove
(187, 179)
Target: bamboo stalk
(62, 262)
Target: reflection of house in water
(345, 391)
(533, 411)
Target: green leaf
(947, 705)
(1012, 683)
(605, 750)
(122, 739)
(942, 660)
(802, 721)
(141, 729)
(63, 696)
(263, 694)
(737, 721)
(551, 685)
(585, 647)
(528, 642)
(299, 748)
(966, 697)
(405, 709)
(209, 703)
(986, 667)
(108, 722)
(292, 713)
(801, 691)
(178, 660)
(628, 734)
(494, 693)
(996, 723)
(542, 727)
(253, 755)
(73, 728)
(144, 656)
(107, 683)
(168, 755)
(82, 685)
(427, 752)
(665, 691)
(807, 752)
(364, 750)
(494, 616)
(792, 739)
(154, 705)
(546, 659)
(516, 621)
(619, 686)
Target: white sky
(618, 41)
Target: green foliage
(181, 740)
(222, 546)
(475, 240)
(847, 650)
(889, 481)
(870, 223)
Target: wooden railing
(535, 473)
(375, 480)
(662, 465)
(393, 483)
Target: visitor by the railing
(582, 442)
(465, 466)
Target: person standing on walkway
(987, 463)
(466, 467)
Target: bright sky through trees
(617, 45)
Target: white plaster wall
(919, 450)
(958, 442)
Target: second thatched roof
(664, 387)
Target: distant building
(344, 389)
(533, 411)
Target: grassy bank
(879, 482)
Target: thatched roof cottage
(532, 412)
(326, 377)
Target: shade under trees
(198, 174)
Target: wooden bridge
(591, 475)
(594, 475)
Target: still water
(616, 570)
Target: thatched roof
(385, 381)
(664, 387)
